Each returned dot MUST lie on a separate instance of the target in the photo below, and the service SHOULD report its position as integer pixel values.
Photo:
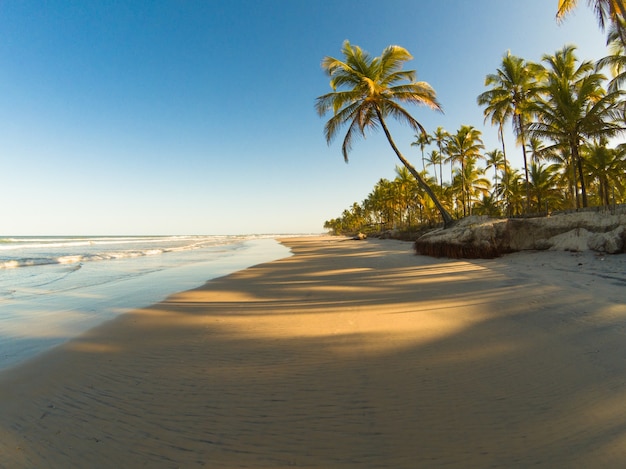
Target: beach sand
(347, 354)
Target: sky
(197, 117)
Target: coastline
(346, 354)
(42, 310)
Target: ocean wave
(40, 251)
(30, 243)
(76, 258)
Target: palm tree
(606, 11)
(422, 140)
(464, 145)
(488, 205)
(404, 183)
(574, 107)
(474, 184)
(514, 86)
(495, 159)
(616, 61)
(368, 89)
(436, 158)
(513, 189)
(440, 137)
(380, 202)
(606, 166)
(543, 183)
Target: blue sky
(197, 117)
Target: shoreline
(40, 317)
(346, 354)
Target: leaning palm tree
(367, 90)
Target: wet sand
(347, 354)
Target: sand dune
(348, 354)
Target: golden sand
(347, 354)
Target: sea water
(54, 288)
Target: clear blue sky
(197, 117)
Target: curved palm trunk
(447, 218)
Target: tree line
(565, 113)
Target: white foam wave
(29, 252)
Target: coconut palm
(422, 140)
(487, 205)
(436, 158)
(513, 187)
(440, 137)
(495, 159)
(367, 90)
(607, 11)
(574, 107)
(543, 182)
(616, 61)
(473, 183)
(606, 167)
(405, 183)
(513, 88)
(466, 144)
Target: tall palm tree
(466, 144)
(440, 136)
(366, 90)
(513, 87)
(422, 140)
(495, 159)
(574, 107)
(436, 158)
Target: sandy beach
(347, 354)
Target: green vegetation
(564, 112)
(366, 90)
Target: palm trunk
(440, 166)
(579, 165)
(447, 218)
(522, 137)
(506, 194)
(463, 195)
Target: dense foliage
(566, 115)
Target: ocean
(54, 288)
